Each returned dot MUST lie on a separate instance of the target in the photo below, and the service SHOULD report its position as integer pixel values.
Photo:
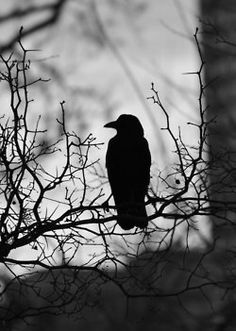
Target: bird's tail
(131, 215)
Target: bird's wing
(128, 164)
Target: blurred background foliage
(103, 55)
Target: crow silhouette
(128, 162)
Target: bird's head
(127, 124)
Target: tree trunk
(219, 45)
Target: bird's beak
(111, 125)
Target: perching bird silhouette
(128, 162)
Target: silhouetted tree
(55, 212)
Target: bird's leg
(105, 204)
(153, 199)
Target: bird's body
(128, 163)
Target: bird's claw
(152, 200)
(105, 206)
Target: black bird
(128, 162)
